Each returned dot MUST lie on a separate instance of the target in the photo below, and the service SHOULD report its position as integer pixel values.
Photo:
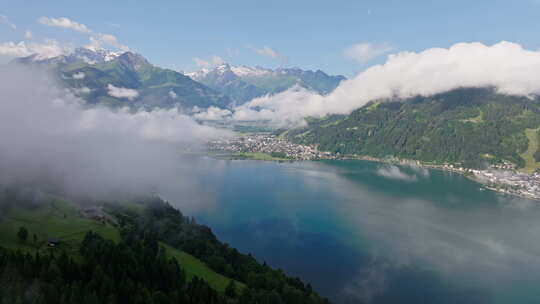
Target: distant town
(269, 144)
(505, 178)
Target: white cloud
(506, 66)
(28, 35)
(364, 52)
(120, 92)
(64, 22)
(285, 108)
(393, 172)
(172, 94)
(81, 91)
(47, 49)
(212, 113)
(99, 41)
(266, 51)
(5, 20)
(201, 62)
(79, 75)
(213, 61)
(91, 150)
(11, 48)
(216, 60)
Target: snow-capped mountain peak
(246, 71)
(87, 55)
(225, 68)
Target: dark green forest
(137, 269)
(469, 126)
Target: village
(504, 178)
(268, 144)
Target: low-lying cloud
(46, 49)
(120, 92)
(393, 172)
(505, 66)
(47, 134)
(79, 75)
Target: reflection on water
(365, 232)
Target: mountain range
(127, 79)
(243, 83)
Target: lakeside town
(503, 177)
(268, 144)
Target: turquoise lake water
(364, 232)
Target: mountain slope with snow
(126, 79)
(243, 83)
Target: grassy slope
(59, 219)
(256, 156)
(195, 267)
(530, 163)
(62, 220)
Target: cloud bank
(46, 49)
(48, 135)
(506, 66)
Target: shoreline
(502, 178)
(465, 172)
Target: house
(53, 242)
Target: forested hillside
(470, 126)
(144, 251)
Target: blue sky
(306, 34)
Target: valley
(278, 152)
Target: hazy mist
(48, 135)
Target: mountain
(126, 79)
(79, 54)
(243, 83)
(471, 126)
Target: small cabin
(53, 242)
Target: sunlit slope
(56, 219)
(63, 220)
(195, 267)
(472, 127)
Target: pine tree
(22, 234)
(230, 290)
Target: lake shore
(502, 178)
(508, 182)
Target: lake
(364, 232)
